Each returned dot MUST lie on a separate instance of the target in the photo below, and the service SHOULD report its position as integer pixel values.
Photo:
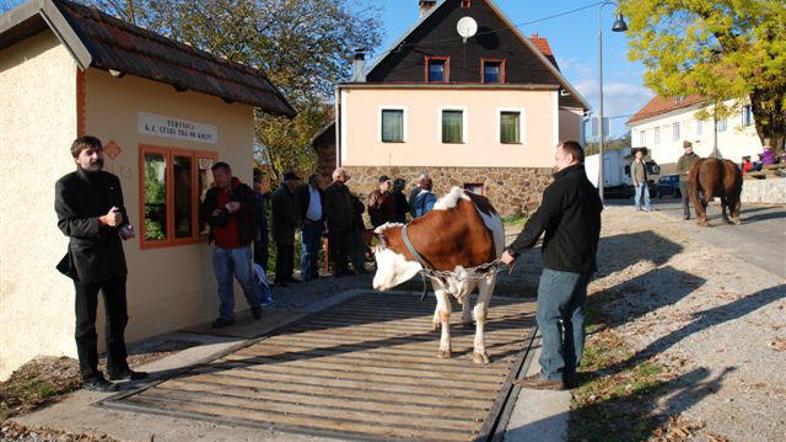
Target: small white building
(664, 123)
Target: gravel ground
(716, 321)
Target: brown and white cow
(463, 231)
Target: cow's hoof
(480, 358)
(445, 354)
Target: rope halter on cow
(478, 272)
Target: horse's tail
(693, 183)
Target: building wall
(734, 143)
(512, 190)
(37, 125)
(360, 128)
(571, 125)
(172, 287)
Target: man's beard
(95, 166)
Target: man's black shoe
(221, 323)
(100, 385)
(538, 383)
(128, 375)
(256, 312)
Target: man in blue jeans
(310, 199)
(570, 216)
(231, 211)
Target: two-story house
(485, 114)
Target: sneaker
(128, 375)
(256, 312)
(221, 323)
(536, 382)
(100, 385)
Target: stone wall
(511, 190)
(769, 191)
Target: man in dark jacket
(310, 198)
(400, 201)
(286, 220)
(90, 211)
(684, 165)
(570, 216)
(231, 211)
(340, 214)
(381, 203)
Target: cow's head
(393, 268)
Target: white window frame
(722, 124)
(464, 123)
(643, 137)
(747, 109)
(522, 124)
(676, 131)
(405, 110)
(656, 136)
(699, 128)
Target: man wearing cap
(684, 165)
(231, 211)
(286, 219)
(310, 199)
(381, 206)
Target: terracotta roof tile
(542, 43)
(659, 105)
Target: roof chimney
(425, 6)
(359, 75)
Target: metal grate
(365, 369)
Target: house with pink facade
(483, 113)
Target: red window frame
(503, 78)
(428, 59)
(466, 4)
(169, 153)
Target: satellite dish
(467, 27)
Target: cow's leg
(466, 315)
(443, 311)
(724, 205)
(435, 319)
(486, 289)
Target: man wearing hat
(381, 206)
(684, 165)
(286, 219)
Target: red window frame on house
(503, 78)
(169, 154)
(466, 4)
(428, 59)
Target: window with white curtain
(392, 126)
(675, 132)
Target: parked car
(669, 185)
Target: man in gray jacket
(684, 165)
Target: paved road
(759, 240)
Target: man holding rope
(570, 216)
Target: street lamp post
(619, 26)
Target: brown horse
(710, 178)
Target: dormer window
(493, 71)
(437, 69)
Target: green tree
(304, 46)
(719, 49)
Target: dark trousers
(341, 248)
(285, 261)
(685, 199)
(560, 316)
(116, 319)
(261, 254)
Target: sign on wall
(170, 127)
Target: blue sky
(574, 40)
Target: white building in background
(664, 123)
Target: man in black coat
(340, 213)
(90, 211)
(286, 220)
(570, 216)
